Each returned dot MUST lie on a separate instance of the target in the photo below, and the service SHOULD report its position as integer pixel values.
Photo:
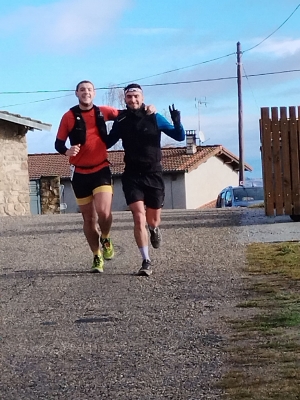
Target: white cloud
(278, 48)
(65, 25)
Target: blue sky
(49, 46)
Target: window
(223, 199)
(248, 194)
(228, 196)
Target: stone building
(14, 178)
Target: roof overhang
(28, 122)
(228, 158)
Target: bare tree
(114, 97)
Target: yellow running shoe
(107, 248)
(98, 264)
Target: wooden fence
(280, 151)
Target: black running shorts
(146, 187)
(86, 185)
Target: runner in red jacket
(84, 126)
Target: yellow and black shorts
(86, 185)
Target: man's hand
(150, 109)
(73, 150)
(175, 115)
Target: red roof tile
(51, 164)
(174, 159)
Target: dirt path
(68, 334)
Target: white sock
(144, 252)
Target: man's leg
(103, 201)
(90, 225)
(91, 231)
(154, 199)
(141, 235)
(153, 217)
(139, 220)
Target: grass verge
(264, 355)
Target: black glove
(175, 115)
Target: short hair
(132, 86)
(78, 84)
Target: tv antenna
(198, 103)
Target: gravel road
(256, 227)
(68, 334)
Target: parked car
(240, 196)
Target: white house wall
(203, 184)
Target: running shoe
(107, 248)
(98, 264)
(155, 237)
(146, 268)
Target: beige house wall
(14, 179)
(203, 184)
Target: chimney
(191, 147)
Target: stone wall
(50, 196)
(14, 179)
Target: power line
(161, 73)
(247, 77)
(122, 83)
(40, 91)
(219, 79)
(258, 44)
(169, 84)
(35, 101)
(214, 59)
(179, 69)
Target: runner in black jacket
(142, 179)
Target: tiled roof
(174, 159)
(25, 121)
(51, 164)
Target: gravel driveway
(68, 334)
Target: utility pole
(240, 115)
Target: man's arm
(175, 131)
(114, 136)
(109, 113)
(60, 146)
(62, 136)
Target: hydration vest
(78, 133)
(141, 141)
